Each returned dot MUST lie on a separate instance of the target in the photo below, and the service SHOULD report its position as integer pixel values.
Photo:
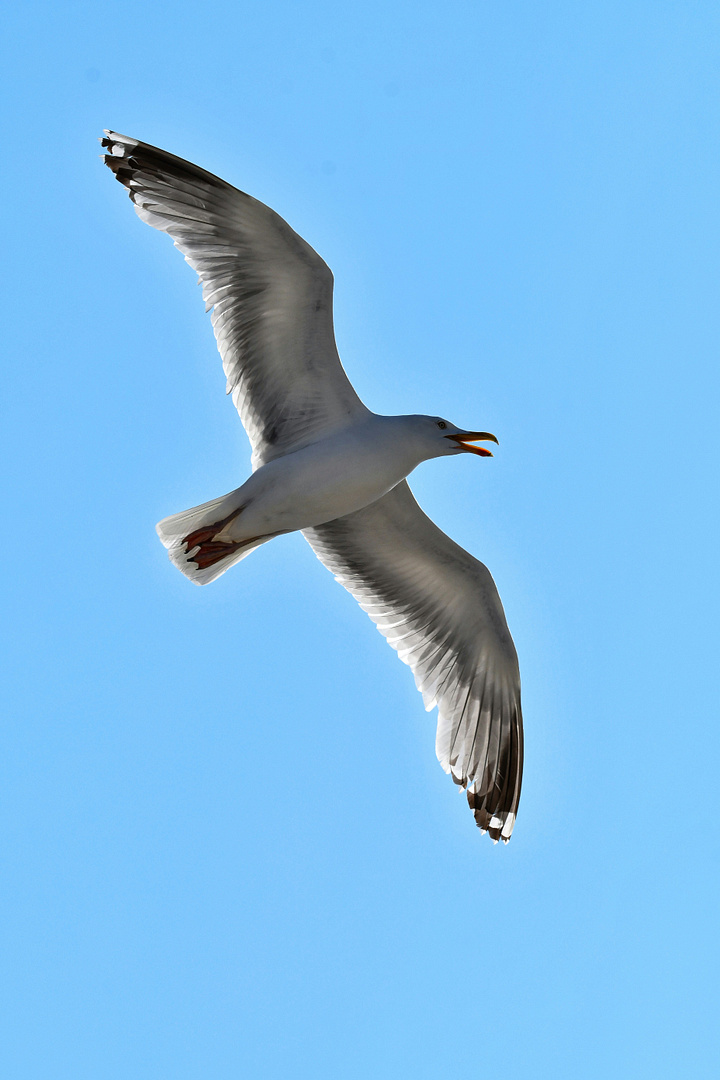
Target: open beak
(464, 440)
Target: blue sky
(226, 846)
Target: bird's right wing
(271, 296)
(439, 608)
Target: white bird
(326, 465)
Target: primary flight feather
(326, 465)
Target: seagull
(325, 465)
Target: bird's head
(440, 438)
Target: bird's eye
(442, 424)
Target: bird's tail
(195, 541)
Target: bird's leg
(212, 550)
(209, 532)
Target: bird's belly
(310, 487)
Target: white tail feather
(173, 530)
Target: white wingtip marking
(508, 827)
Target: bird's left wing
(271, 296)
(439, 608)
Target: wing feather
(439, 608)
(270, 295)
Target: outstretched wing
(271, 296)
(440, 609)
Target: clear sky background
(226, 847)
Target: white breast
(327, 480)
